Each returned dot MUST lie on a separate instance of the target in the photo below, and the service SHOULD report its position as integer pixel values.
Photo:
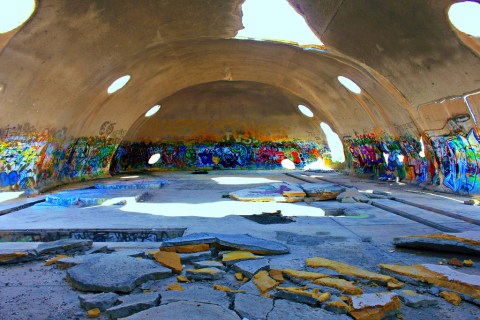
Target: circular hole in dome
(154, 158)
(14, 13)
(465, 16)
(152, 110)
(118, 84)
(288, 164)
(349, 84)
(305, 110)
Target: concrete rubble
(101, 301)
(133, 303)
(465, 242)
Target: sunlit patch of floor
(5, 196)
(242, 180)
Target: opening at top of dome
(349, 84)
(305, 110)
(13, 13)
(118, 84)
(152, 110)
(465, 16)
(275, 20)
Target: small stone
(53, 260)
(263, 282)
(455, 262)
(468, 263)
(250, 267)
(205, 274)
(170, 260)
(93, 313)
(452, 297)
(101, 301)
(134, 303)
(176, 287)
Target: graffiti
(121, 236)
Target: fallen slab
(114, 273)
(102, 301)
(133, 303)
(12, 256)
(185, 310)
(414, 300)
(234, 241)
(442, 276)
(466, 242)
(252, 306)
(93, 197)
(302, 295)
(250, 267)
(63, 246)
(342, 285)
(205, 274)
(372, 306)
(197, 293)
(233, 257)
(279, 192)
(346, 269)
(322, 191)
(170, 260)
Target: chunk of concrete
(351, 196)
(8, 256)
(305, 275)
(208, 264)
(252, 306)
(133, 303)
(233, 257)
(170, 260)
(452, 297)
(287, 310)
(102, 301)
(234, 241)
(342, 285)
(414, 300)
(465, 242)
(114, 273)
(263, 281)
(300, 295)
(250, 267)
(185, 310)
(279, 192)
(189, 258)
(205, 274)
(374, 305)
(63, 246)
(197, 293)
(322, 191)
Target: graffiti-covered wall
(220, 155)
(31, 158)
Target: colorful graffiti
(458, 158)
(221, 155)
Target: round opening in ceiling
(154, 158)
(288, 164)
(305, 110)
(152, 110)
(14, 13)
(118, 84)
(349, 84)
(465, 16)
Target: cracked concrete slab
(197, 294)
(466, 242)
(102, 301)
(287, 310)
(250, 267)
(275, 192)
(63, 246)
(133, 303)
(252, 306)
(322, 191)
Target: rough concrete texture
(466, 242)
(250, 267)
(205, 274)
(235, 241)
(208, 264)
(322, 191)
(287, 310)
(12, 256)
(200, 294)
(252, 306)
(374, 306)
(412, 299)
(351, 195)
(114, 273)
(196, 256)
(133, 303)
(63, 246)
(186, 310)
(102, 301)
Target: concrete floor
(197, 203)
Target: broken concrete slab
(53, 260)
(188, 248)
(133, 303)
(442, 276)
(351, 196)
(250, 288)
(102, 301)
(280, 192)
(322, 191)
(374, 305)
(252, 306)
(263, 282)
(197, 293)
(63, 246)
(235, 241)
(12, 256)
(250, 267)
(452, 297)
(205, 274)
(93, 197)
(233, 257)
(170, 260)
(196, 256)
(342, 285)
(350, 270)
(465, 242)
(305, 275)
(287, 310)
(414, 300)
(302, 295)
(208, 264)
(133, 184)
(114, 273)
(185, 310)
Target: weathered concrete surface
(63, 246)
(236, 241)
(114, 273)
(322, 191)
(301, 295)
(250, 267)
(252, 306)
(287, 310)
(133, 303)
(374, 306)
(93, 197)
(208, 264)
(146, 183)
(195, 293)
(12, 256)
(414, 300)
(205, 274)
(280, 192)
(185, 310)
(466, 242)
(351, 195)
(170, 260)
(102, 301)
(196, 256)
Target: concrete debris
(414, 300)
(468, 263)
(170, 260)
(185, 310)
(374, 305)
(350, 270)
(338, 306)
(322, 191)
(472, 202)
(263, 282)
(189, 258)
(234, 241)
(306, 275)
(182, 279)
(114, 273)
(133, 303)
(252, 306)
(200, 294)
(226, 289)
(141, 183)
(287, 310)
(187, 248)
(465, 242)
(441, 276)
(208, 264)
(53, 260)
(205, 274)
(279, 192)
(451, 297)
(455, 262)
(63, 246)
(102, 301)
(8, 256)
(236, 256)
(176, 287)
(250, 267)
(351, 196)
(342, 285)
(302, 295)
(277, 275)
